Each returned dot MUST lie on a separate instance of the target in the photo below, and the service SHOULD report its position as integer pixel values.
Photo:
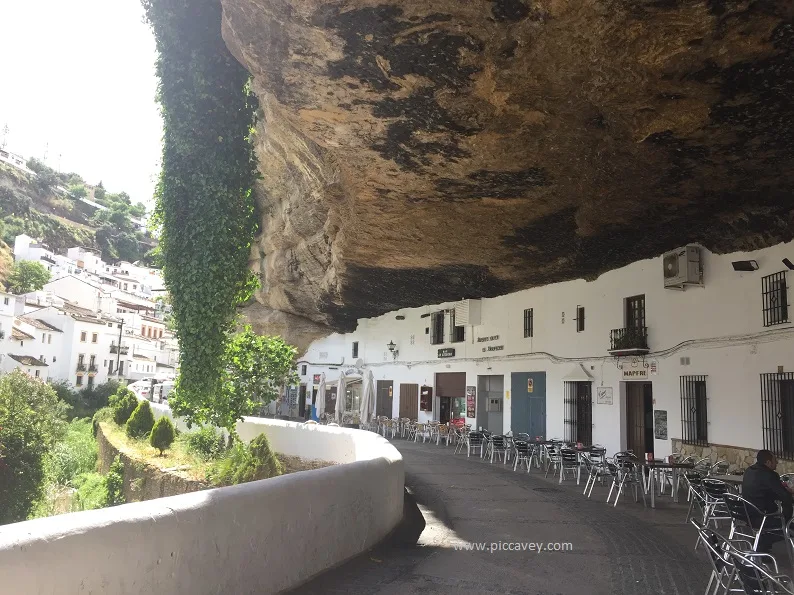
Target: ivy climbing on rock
(205, 206)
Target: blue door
(528, 403)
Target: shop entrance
(490, 399)
(639, 417)
(451, 391)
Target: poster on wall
(471, 401)
(530, 385)
(660, 424)
(604, 395)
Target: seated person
(762, 486)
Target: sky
(77, 80)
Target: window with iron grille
(355, 348)
(437, 328)
(635, 312)
(304, 369)
(694, 410)
(775, 295)
(579, 319)
(457, 334)
(777, 413)
(528, 323)
(579, 412)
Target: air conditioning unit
(468, 312)
(682, 267)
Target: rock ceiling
(419, 151)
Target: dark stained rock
(416, 151)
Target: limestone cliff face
(415, 151)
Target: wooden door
(635, 418)
(409, 401)
(385, 398)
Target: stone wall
(740, 458)
(143, 481)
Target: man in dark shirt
(762, 486)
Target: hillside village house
(691, 346)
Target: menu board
(471, 401)
(426, 398)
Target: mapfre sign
(635, 373)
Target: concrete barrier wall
(260, 537)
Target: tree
(255, 369)
(99, 192)
(31, 421)
(138, 210)
(78, 191)
(27, 276)
(141, 421)
(114, 481)
(162, 435)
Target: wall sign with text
(446, 352)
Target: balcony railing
(81, 367)
(124, 349)
(628, 341)
(93, 368)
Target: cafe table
(735, 481)
(655, 464)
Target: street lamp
(393, 349)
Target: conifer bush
(141, 421)
(162, 435)
(124, 404)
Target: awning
(578, 374)
(348, 381)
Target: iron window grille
(355, 348)
(437, 328)
(579, 319)
(775, 299)
(528, 323)
(457, 334)
(777, 413)
(694, 410)
(579, 412)
(304, 369)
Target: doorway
(451, 390)
(444, 406)
(579, 412)
(639, 418)
(385, 398)
(409, 401)
(302, 401)
(528, 404)
(490, 400)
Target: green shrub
(65, 392)
(75, 454)
(162, 435)
(114, 482)
(92, 491)
(30, 424)
(103, 392)
(206, 443)
(124, 404)
(141, 421)
(269, 465)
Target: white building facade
(621, 361)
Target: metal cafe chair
(552, 456)
(628, 473)
(715, 508)
(758, 573)
(695, 494)
(723, 570)
(742, 515)
(498, 447)
(474, 441)
(569, 461)
(598, 469)
(523, 454)
(443, 433)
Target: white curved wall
(260, 537)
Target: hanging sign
(653, 367)
(635, 373)
(446, 352)
(530, 385)
(471, 400)
(316, 379)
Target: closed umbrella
(367, 397)
(320, 404)
(340, 397)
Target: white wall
(261, 537)
(719, 327)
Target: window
(125, 287)
(775, 298)
(54, 359)
(94, 337)
(437, 328)
(635, 312)
(81, 359)
(529, 323)
(5, 301)
(79, 381)
(457, 333)
(83, 337)
(92, 360)
(579, 412)
(355, 348)
(37, 373)
(304, 370)
(90, 381)
(49, 339)
(777, 413)
(43, 337)
(110, 325)
(41, 357)
(694, 418)
(579, 319)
